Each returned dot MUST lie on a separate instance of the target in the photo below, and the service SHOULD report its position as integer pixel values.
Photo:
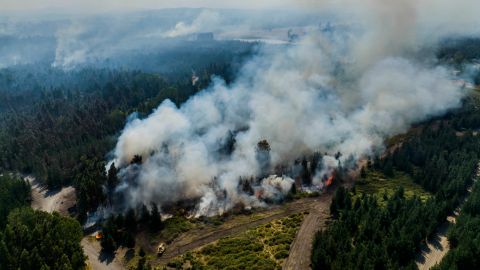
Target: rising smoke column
(342, 93)
(206, 21)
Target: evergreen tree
(39, 240)
(112, 179)
(155, 219)
(130, 220)
(144, 215)
(388, 168)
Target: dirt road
(60, 201)
(299, 257)
(300, 251)
(317, 207)
(96, 259)
(50, 201)
(183, 244)
(433, 252)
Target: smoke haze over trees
(344, 83)
(367, 234)
(333, 91)
(203, 110)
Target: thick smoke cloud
(329, 93)
(93, 6)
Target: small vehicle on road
(161, 249)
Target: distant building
(208, 36)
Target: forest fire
(225, 132)
(330, 180)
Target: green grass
(378, 184)
(304, 194)
(264, 247)
(133, 262)
(475, 95)
(174, 226)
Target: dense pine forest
(56, 123)
(14, 193)
(48, 138)
(38, 240)
(33, 239)
(384, 231)
(464, 236)
(59, 125)
(64, 105)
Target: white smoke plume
(86, 40)
(70, 49)
(329, 93)
(207, 21)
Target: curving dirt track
(299, 256)
(433, 252)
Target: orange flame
(329, 180)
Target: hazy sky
(109, 5)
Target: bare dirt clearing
(60, 201)
(98, 260)
(51, 200)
